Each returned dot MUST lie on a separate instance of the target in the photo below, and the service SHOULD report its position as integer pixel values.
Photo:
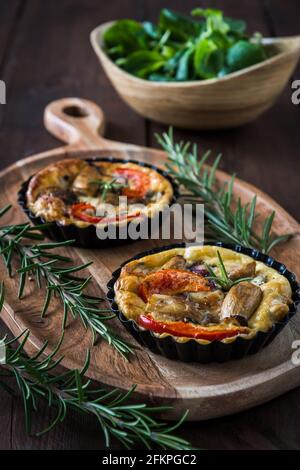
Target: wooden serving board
(206, 390)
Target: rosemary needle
(37, 379)
(226, 221)
(223, 281)
(39, 260)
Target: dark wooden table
(44, 55)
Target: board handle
(77, 122)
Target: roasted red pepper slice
(120, 218)
(140, 182)
(79, 211)
(188, 330)
(172, 281)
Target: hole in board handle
(75, 111)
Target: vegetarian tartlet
(80, 196)
(202, 296)
(70, 191)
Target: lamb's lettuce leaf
(181, 26)
(208, 59)
(125, 36)
(143, 63)
(244, 54)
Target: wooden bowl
(229, 101)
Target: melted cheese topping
(276, 289)
(49, 190)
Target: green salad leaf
(151, 30)
(181, 27)
(124, 37)
(182, 72)
(142, 63)
(214, 20)
(208, 59)
(205, 45)
(244, 54)
(236, 26)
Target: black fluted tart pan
(215, 351)
(87, 237)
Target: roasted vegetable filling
(204, 293)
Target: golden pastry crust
(53, 190)
(276, 293)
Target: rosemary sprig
(223, 281)
(228, 220)
(117, 417)
(106, 186)
(38, 260)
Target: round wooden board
(206, 390)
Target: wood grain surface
(264, 153)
